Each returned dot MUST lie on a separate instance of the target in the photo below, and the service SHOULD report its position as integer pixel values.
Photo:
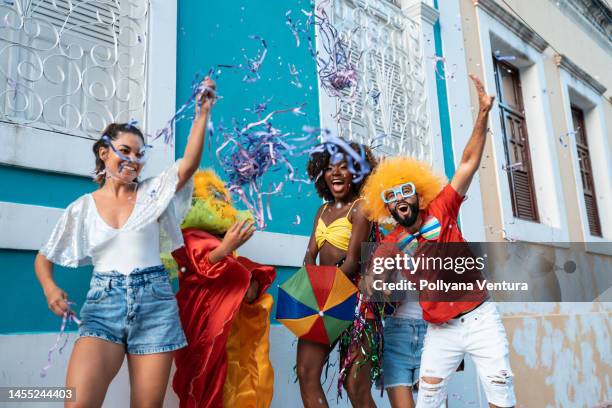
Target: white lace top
(80, 232)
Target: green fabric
(300, 288)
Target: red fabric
(317, 332)
(209, 297)
(445, 207)
(324, 276)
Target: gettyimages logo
(504, 271)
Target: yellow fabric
(212, 208)
(337, 233)
(250, 376)
(301, 326)
(341, 290)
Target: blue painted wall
(24, 306)
(25, 300)
(208, 34)
(211, 33)
(25, 186)
(447, 141)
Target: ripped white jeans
(479, 334)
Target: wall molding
(421, 11)
(512, 23)
(27, 227)
(564, 62)
(580, 13)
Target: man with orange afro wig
(425, 210)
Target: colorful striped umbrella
(317, 303)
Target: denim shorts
(138, 310)
(402, 351)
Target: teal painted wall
(25, 186)
(447, 138)
(25, 300)
(24, 306)
(208, 34)
(211, 33)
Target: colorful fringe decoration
(367, 329)
(367, 332)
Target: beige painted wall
(561, 352)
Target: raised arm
(310, 258)
(470, 161)
(193, 151)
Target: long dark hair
(112, 132)
(320, 160)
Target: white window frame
(576, 92)
(424, 16)
(545, 163)
(30, 147)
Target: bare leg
(400, 397)
(310, 360)
(93, 365)
(358, 382)
(149, 376)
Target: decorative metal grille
(391, 99)
(73, 66)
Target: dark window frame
(524, 172)
(586, 172)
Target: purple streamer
(67, 317)
(339, 149)
(252, 64)
(249, 153)
(167, 132)
(337, 73)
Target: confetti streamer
(294, 27)
(140, 159)
(68, 316)
(513, 167)
(564, 138)
(198, 88)
(339, 149)
(337, 73)
(259, 108)
(500, 57)
(252, 64)
(294, 74)
(251, 152)
(375, 95)
(441, 67)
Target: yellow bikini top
(337, 233)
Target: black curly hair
(319, 161)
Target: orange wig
(394, 171)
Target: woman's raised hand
(206, 98)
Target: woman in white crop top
(121, 229)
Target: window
(586, 172)
(72, 67)
(516, 141)
(389, 108)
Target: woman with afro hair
(340, 226)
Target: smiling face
(339, 180)
(405, 210)
(124, 169)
